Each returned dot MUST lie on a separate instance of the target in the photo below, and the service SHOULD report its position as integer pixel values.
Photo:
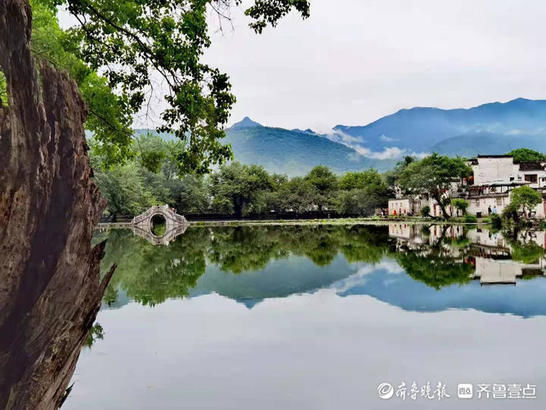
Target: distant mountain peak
(245, 123)
(306, 131)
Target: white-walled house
(405, 206)
(489, 189)
(494, 178)
(492, 169)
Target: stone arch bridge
(172, 219)
(142, 225)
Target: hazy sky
(356, 60)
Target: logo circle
(385, 391)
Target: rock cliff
(50, 288)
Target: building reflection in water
(495, 258)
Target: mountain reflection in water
(415, 267)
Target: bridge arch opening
(158, 225)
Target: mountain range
(494, 128)
(294, 152)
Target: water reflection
(299, 317)
(311, 351)
(416, 267)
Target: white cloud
(359, 277)
(387, 153)
(358, 144)
(387, 139)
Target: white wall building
(495, 176)
(492, 169)
(489, 190)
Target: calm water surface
(316, 318)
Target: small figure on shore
(489, 210)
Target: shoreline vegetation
(240, 192)
(318, 221)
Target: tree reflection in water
(150, 274)
(438, 256)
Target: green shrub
(470, 219)
(496, 221)
(425, 211)
(460, 204)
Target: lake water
(317, 317)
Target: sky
(354, 61)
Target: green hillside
(295, 152)
(486, 143)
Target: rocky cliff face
(50, 288)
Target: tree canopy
(151, 177)
(434, 175)
(325, 183)
(525, 199)
(238, 186)
(527, 155)
(109, 118)
(135, 42)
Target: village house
(405, 206)
(495, 176)
(488, 190)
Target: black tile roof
(531, 166)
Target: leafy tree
(392, 176)
(527, 155)
(325, 182)
(511, 213)
(239, 185)
(95, 333)
(357, 202)
(364, 192)
(434, 176)
(528, 253)
(190, 194)
(134, 41)
(152, 151)
(425, 211)
(124, 190)
(297, 194)
(109, 117)
(460, 204)
(525, 199)
(361, 180)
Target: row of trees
(151, 177)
